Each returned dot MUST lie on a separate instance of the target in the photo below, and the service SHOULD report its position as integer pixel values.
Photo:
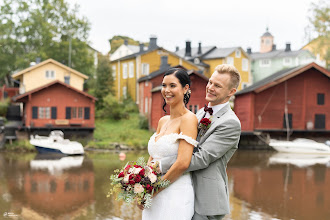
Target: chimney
(163, 62)
(177, 49)
(249, 50)
(287, 47)
(126, 42)
(141, 47)
(152, 43)
(199, 48)
(38, 60)
(274, 47)
(188, 49)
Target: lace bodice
(167, 145)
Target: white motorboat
(299, 160)
(55, 143)
(300, 145)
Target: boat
(55, 143)
(300, 145)
(299, 160)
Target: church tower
(266, 43)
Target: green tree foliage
(320, 26)
(118, 40)
(104, 81)
(44, 29)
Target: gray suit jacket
(209, 163)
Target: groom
(217, 144)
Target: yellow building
(320, 52)
(47, 71)
(127, 70)
(212, 56)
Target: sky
(218, 23)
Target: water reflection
(263, 185)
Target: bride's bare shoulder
(189, 117)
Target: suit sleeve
(223, 138)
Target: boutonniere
(204, 124)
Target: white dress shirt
(215, 109)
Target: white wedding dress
(176, 202)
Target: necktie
(208, 109)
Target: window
(190, 108)
(289, 121)
(319, 121)
(265, 62)
(125, 92)
(245, 64)
(145, 68)
(230, 60)
(244, 85)
(320, 98)
(287, 61)
(196, 109)
(114, 73)
(146, 83)
(146, 105)
(267, 41)
(131, 70)
(50, 74)
(44, 112)
(124, 70)
(67, 80)
(76, 112)
(238, 53)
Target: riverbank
(109, 134)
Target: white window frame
(131, 70)
(50, 74)
(124, 70)
(44, 112)
(114, 73)
(245, 64)
(125, 92)
(146, 105)
(237, 53)
(230, 60)
(146, 83)
(265, 62)
(145, 68)
(287, 61)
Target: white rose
(131, 170)
(126, 178)
(137, 170)
(138, 188)
(152, 177)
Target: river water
(263, 185)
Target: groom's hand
(140, 206)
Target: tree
(320, 27)
(117, 41)
(104, 81)
(44, 29)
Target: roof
(158, 72)
(194, 51)
(136, 54)
(277, 54)
(18, 97)
(15, 75)
(221, 53)
(281, 76)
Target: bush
(130, 106)
(112, 109)
(143, 122)
(4, 107)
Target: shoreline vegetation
(109, 134)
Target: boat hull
(300, 146)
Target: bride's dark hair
(183, 78)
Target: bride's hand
(140, 206)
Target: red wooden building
(8, 92)
(304, 91)
(151, 100)
(57, 105)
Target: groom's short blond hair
(232, 71)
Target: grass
(125, 131)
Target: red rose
(121, 174)
(137, 166)
(131, 182)
(137, 179)
(205, 121)
(141, 173)
(131, 177)
(128, 166)
(149, 188)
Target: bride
(176, 135)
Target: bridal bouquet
(137, 180)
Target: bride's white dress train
(176, 202)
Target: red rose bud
(137, 166)
(131, 177)
(131, 182)
(149, 187)
(205, 121)
(121, 174)
(137, 179)
(142, 172)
